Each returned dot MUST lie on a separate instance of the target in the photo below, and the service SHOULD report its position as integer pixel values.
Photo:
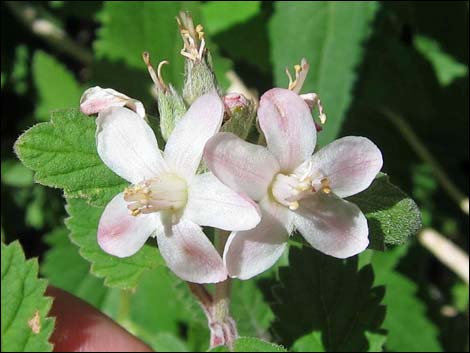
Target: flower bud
(239, 114)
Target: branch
(29, 15)
(446, 252)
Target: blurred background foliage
(376, 66)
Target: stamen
(165, 192)
(193, 37)
(325, 186)
(291, 84)
(159, 73)
(313, 100)
(301, 72)
(294, 205)
(156, 76)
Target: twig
(426, 156)
(47, 30)
(446, 252)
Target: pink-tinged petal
(252, 252)
(96, 99)
(243, 166)
(189, 254)
(350, 164)
(331, 225)
(186, 143)
(288, 126)
(211, 203)
(121, 234)
(127, 145)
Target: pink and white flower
(294, 189)
(166, 199)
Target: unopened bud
(239, 114)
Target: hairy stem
(217, 307)
(204, 299)
(224, 328)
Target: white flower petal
(331, 225)
(127, 145)
(121, 234)
(189, 253)
(211, 203)
(96, 99)
(243, 166)
(186, 143)
(350, 163)
(252, 252)
(288, 126)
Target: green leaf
(446, 67)
(329, 299)
(250, 344)
(56, 86)
(392, 216)
(66, 269)
(152, 28)
(155, 304)
(252, 314)
(63, 154)
(331, 36)
(221, 15)
(15, 174)
(408, 327)
(313, 343)
(123, 273)
(25, 326)
(167, 342)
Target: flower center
(165, 192)
(289, 189)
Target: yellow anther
(325, 186)
(200, 31)
(135, 212)
(294, 205)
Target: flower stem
(203, 297)
(217, 307)
(224, 330)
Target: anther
(294, 205)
